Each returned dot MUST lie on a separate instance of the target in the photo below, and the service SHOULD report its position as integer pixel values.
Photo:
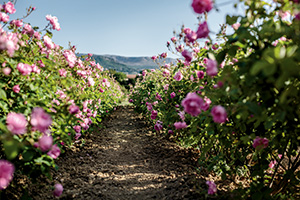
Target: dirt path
(124, 161)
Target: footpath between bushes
(124, 159)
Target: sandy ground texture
(124, 160)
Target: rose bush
(48, 96)
(249, 83)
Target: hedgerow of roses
(48, 97)
(238, 100)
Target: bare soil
(125, 160)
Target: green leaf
(28, 155)
(3, 94)
(11, 148)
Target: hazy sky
(120, 27)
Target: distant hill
(130, 65)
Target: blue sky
(120, 27)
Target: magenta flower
(58, 189)
(187, 55)
(191, 36)
(16, 123)
(180, 125)
(77, 128)
(178, 76)
(272, 164)
(260, 143)
(172, 95)
(73, 109)
(54, 152)
(7, 170)
(219, 114)
(158, 126)
(206, 104)
(201, 6)
(200, 74)
(212, 188)
(153, 114)
(203, 30)
(45, 143)
(211, 68)
(40, 120)
(192, 104)
(16, 88)
(62, 72)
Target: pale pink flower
(16, 123)
(16, 88)
(58, 189)
(17, 23)
(182, 115)
(40, 120)
(178, 76)
(7, 170)
(54, 152)
(203, 30)
(4, 17)
(45, 143)
(62, 72)
(70, 57)
(236, 26)
(9, 7)
(211, 68)
(173, 39)
(180, 125)
(48, 42)
(77, 136)
(6, 71)
(192, 104)
(272, 164)
(219, 114)
(212, 188)
(201, 6)
(24, 69)
(260, 143)
(53, 21)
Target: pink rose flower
(201, 6)
(187, 55)
(16, 88)
(260, 143)
(7, 170)
(40, 120)
(236, 26)
(178, 76)
(24, 69)
(212, 188)
(272, 164)
(54, 22)
(77, 128)
(191, 36)
(200, 74)
(192, 104)
(9, 7)
(203, 30)
(219, 114)
(73, 109)
(4, 17)
(206, 104)
(48, 42)
(158, 126)
(62, 72)
(172, 95)
(211, 68)
(58, 189)
(180, 125)
(6, 71)
(16, 123)
(45, 143)
(77, 136)
(153, 114)
(54, 152)
(182, 115)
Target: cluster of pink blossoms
(260, 143)
(53, 21)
